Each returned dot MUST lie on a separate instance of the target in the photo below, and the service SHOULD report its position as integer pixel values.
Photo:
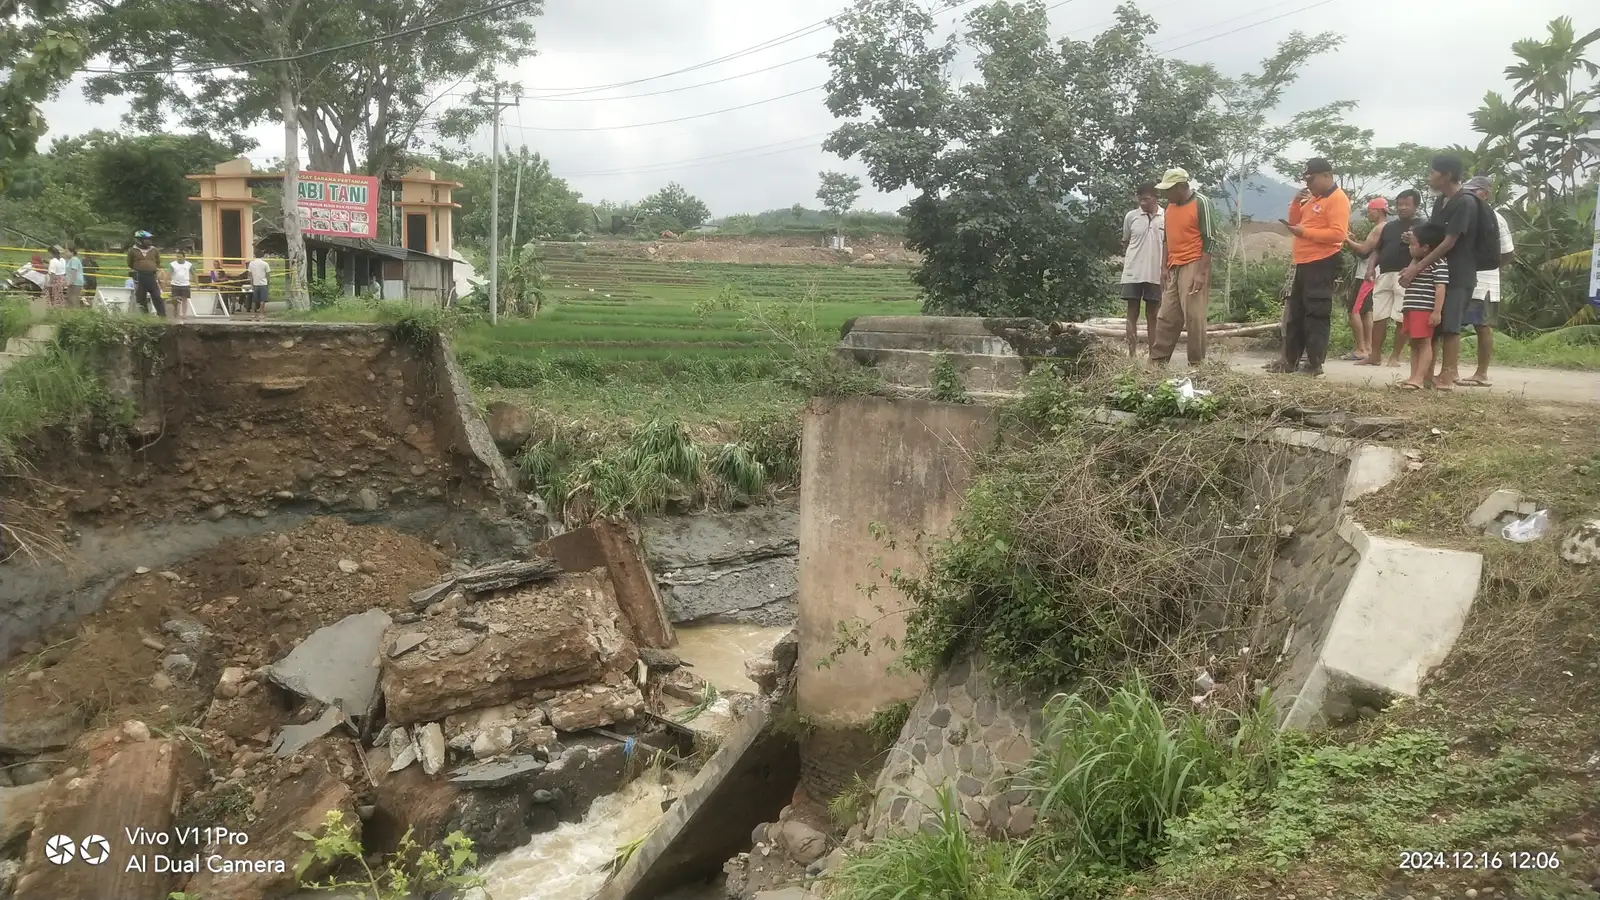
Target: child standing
(181, 284)
(1423, 307)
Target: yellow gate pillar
(427, 214)
(227, 215)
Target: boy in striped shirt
(1423, 307)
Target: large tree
(1020, 172)
(358, 110)
(36, 61)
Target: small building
(396, 272)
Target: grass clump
(942, 861)
(1109, 777)
(887, 722)
(853, 805)
(54, 388)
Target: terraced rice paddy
(624, 309)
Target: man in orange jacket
(1319, 219)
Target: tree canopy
(359, 110)
(98, 187)
(38, 60)
(1020, 170)
(673, 208)
(546, 206)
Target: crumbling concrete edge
(464, 407)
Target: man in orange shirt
(1191, 226)
(1319, 219)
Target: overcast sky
(1417, 69)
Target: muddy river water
(569, 863)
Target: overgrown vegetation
(947, 385)
(887, 721)
(1146, 791)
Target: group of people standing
(146, 274)
(1431, 278)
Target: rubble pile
(497, 700)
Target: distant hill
(1265, 199)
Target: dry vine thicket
(1108, 548)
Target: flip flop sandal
(1474, 382)
(1351, 357)
(1406, 386)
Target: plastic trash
(1527, 530)
(1187, 392)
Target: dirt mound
(243, 603)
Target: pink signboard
(337, 204)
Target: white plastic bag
(1528, 530)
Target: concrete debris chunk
(337, 664)
(426, 597)
(497, 773)
(294, 738)
(430, 746)
(591, 706)
(411, 640)
(509, 574)
(402, 749)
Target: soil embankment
(237, 429)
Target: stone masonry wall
(970, 735)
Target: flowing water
(569, 863)
(718, 652)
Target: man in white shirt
(259, 270)
(1483, 312)
(1144, 255)
(182, 271)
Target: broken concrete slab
(509, 574)
(300, 804)
(408, 641)
(426, 597)
(430, 747)
(1493, 506)
(498, 772)
(138, 784)
(558, 634)
(746, 783)
(616, 548)
(337, 664)
(292, 739)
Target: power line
(780, 40)
(687, 87)
(1213, 37)
(709, 159)
(714, 112)
(366, 42)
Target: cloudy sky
(1417, 69)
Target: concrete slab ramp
(747, 782)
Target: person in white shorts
(1483, 311)
(1394, 254)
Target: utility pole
(494, 209)
(516, 200)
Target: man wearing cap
(1483, 311)
(1319, 219)
(1191, 228)
(144, 261)
(1366, 251)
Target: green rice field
(618, 309)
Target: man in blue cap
(144, 261)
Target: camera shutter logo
(60, 849)
(94, 849)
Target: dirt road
(1552, 385)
